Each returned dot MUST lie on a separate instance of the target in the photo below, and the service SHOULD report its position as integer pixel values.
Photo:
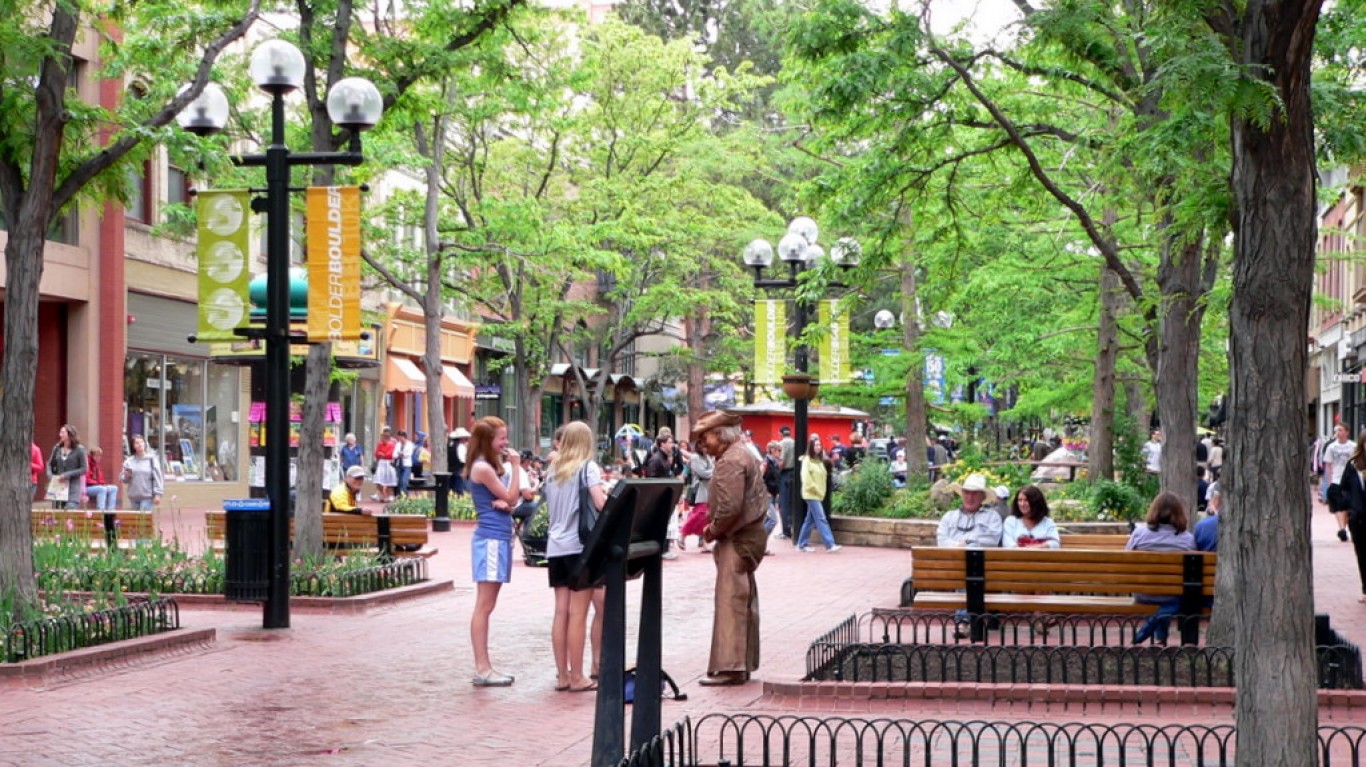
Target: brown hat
(714, 419)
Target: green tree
(57, 152)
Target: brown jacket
(738, 502)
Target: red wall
(765, 426)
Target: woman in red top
(103, 493)
(386, 478)
(36, 467)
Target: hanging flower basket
(800, 386)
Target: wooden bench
(403, 535)
(1063, 581)
(1094, 540)
(103, 529)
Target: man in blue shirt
(1206, 531)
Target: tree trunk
(1266, 544)
(917, 463)
(1178, 364)
(431, 299)
(308, 489)
(696, 374)
(1100, 450)
(24, 265)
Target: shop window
(183, 407)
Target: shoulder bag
(588, 511)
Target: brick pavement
(392, 686)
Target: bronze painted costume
(736, 520)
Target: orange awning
(400, 374)
(455, 384)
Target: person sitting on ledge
(345, 497)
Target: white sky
(986, 17)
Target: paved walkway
(392, 687)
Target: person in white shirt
(1152, 452)
(971, 525)
(403, 461)
(1335, 457)
(1028, 525)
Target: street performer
(735, 523)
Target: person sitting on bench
(345, 497)
(971, 525)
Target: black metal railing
(70, 631)
(341, 583)
(1019, 649)
(739, 740)
(672, 747)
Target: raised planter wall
(905, 533)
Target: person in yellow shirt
(815, 475)
(346, 495)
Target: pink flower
(70, 525)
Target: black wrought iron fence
(791, 741)
(71, 631)
(1086, 650)
(326, 583)
(670, 748)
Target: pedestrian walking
(142, 476)
(68, 464)
(815, 484)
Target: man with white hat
(971, 525)
(345, 496)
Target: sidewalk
(392, 687)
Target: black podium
(627, 543)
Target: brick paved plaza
(392, 686)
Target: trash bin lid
(246, 504)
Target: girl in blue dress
(494, 497)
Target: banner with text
(834, 344)
(224, 263)
(770, 341)
(333, 263)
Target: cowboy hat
(712, 420)
(975, 483)
(460, 433)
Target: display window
(183, 407)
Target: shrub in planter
(1113, 500)
(865, 491)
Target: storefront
(405, 381)
(186, 406)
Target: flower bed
(65, 626)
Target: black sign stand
(627, 543)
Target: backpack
(668, 688)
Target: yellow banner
(333, 263)
(770, 341)
(224, 263)
(834, 343)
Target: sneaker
(782, 537)
(669, 555)
(805, 549)
(1342, 536)
(492, 679)
(834, 548)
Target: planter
(905, 533)
(800, 386)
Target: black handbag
(588, 511)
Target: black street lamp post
(800, 250)
(353, 104)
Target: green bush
(1114, 500)
(459, 506)
(909, 503)
(865, 491)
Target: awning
(455, 384)
(400, 374)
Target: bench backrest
(347, 530)
(1094, 540)
(108, 526)
(1064, 570)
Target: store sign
(333, 263)
(224, 263)
(491, 391)
(354, 349)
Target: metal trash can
(247, 559)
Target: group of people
(395, 462)
(735, 506)
(76, 474)
(1167, 527)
